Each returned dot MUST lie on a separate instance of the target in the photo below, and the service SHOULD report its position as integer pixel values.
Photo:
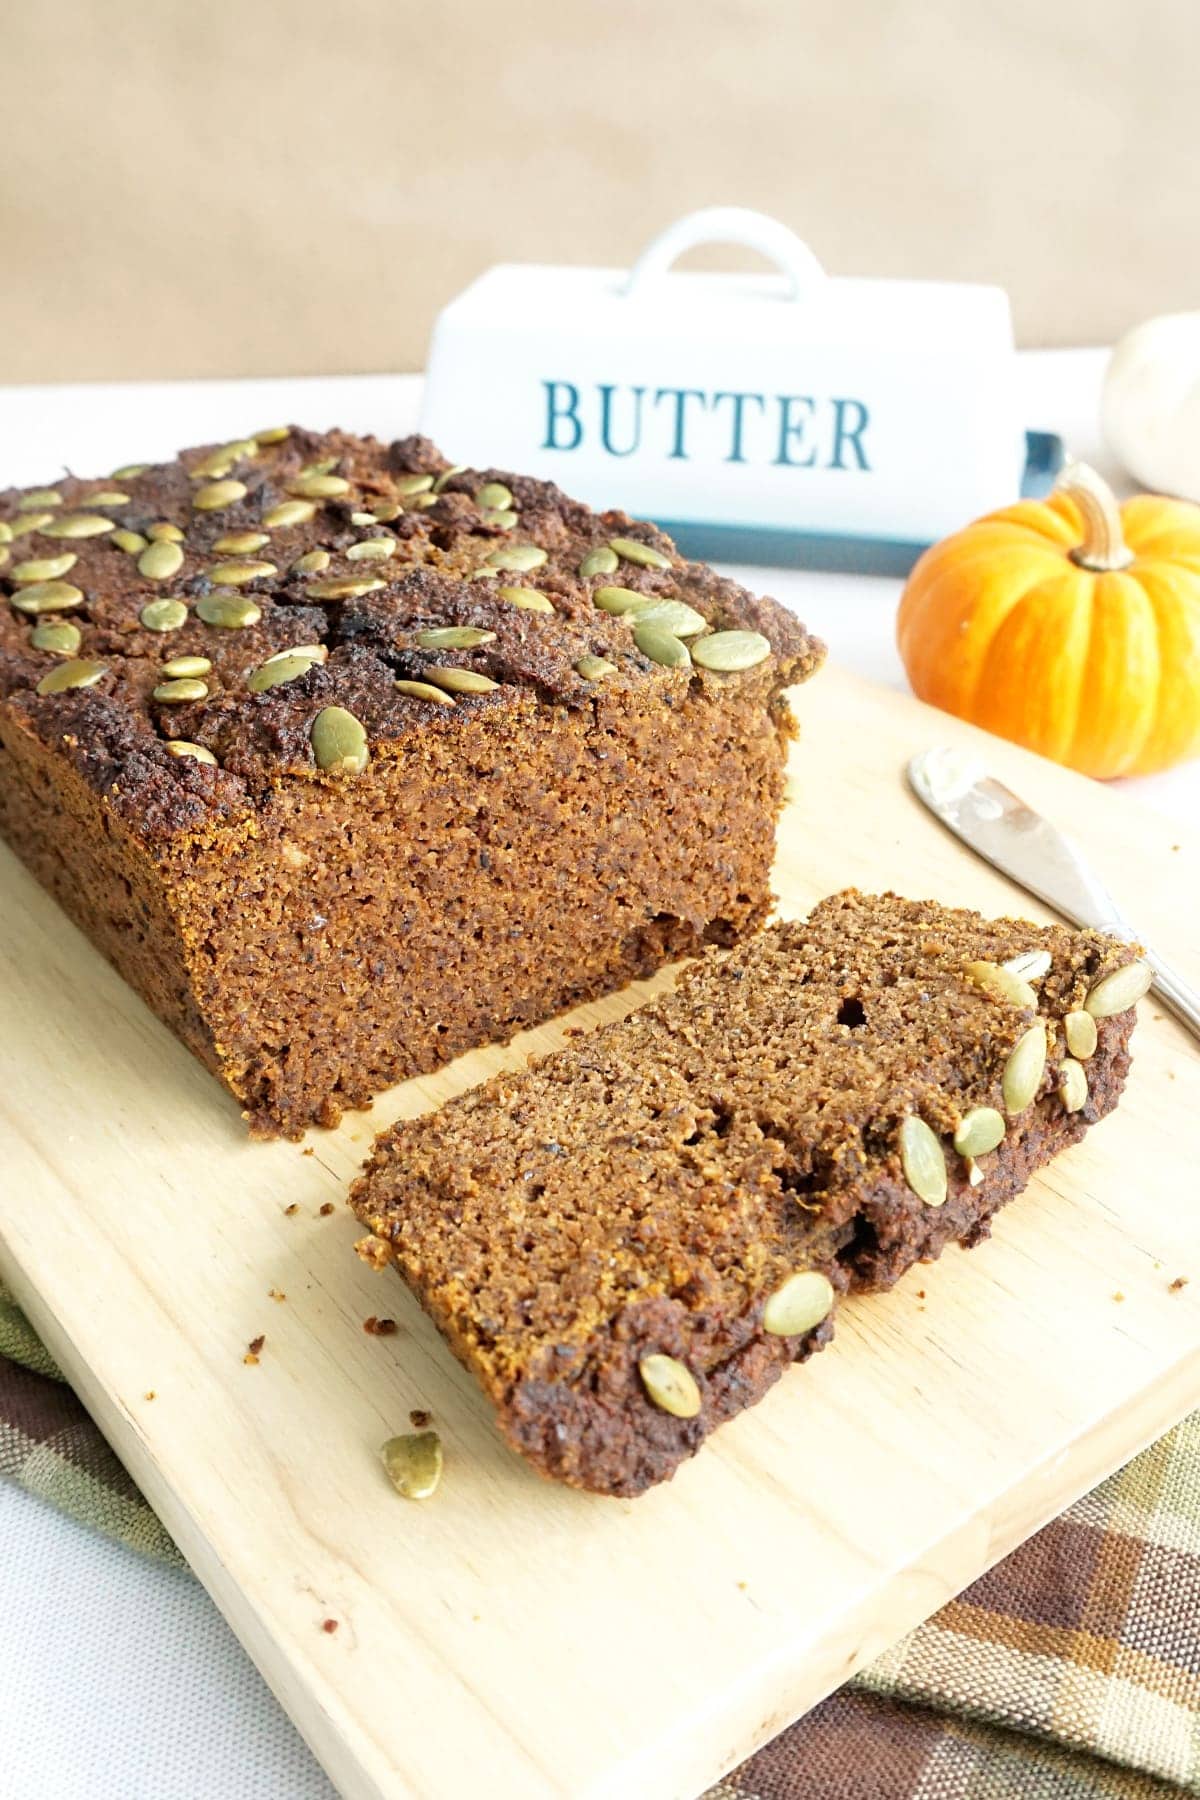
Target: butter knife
(1000, 827)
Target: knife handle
(1175, 994)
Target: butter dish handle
(727, 225)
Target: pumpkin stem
(1103, 548)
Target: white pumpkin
(1150, 407)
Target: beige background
(298, 185)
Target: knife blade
(1002, 828)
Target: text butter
(772, 417)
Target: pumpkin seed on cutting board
(414, 1462)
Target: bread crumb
(374, 1251)
(1118, 1295)
(329, 1625)
(307, 1151)
(1179, 1282)
(327, 1209)
(380, 1327)
(419, 1417)
(149, 1394)
(920, 1293)
(253, 1348)
(290, 1211)
(276, 1294)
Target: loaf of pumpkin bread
(350, 760)
(630, 1241)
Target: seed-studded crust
(522, 835)
(645, 1190)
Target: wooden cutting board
(511, 1637)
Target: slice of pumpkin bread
(630, 1241)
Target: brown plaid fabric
(1070, 1672)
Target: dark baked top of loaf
(721, 1137)
(267, 536)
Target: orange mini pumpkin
(1069, 625)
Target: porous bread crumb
(644, 1190)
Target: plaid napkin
(1070, 1672)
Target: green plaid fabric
(1071, 1671)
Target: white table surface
(121, 1681)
